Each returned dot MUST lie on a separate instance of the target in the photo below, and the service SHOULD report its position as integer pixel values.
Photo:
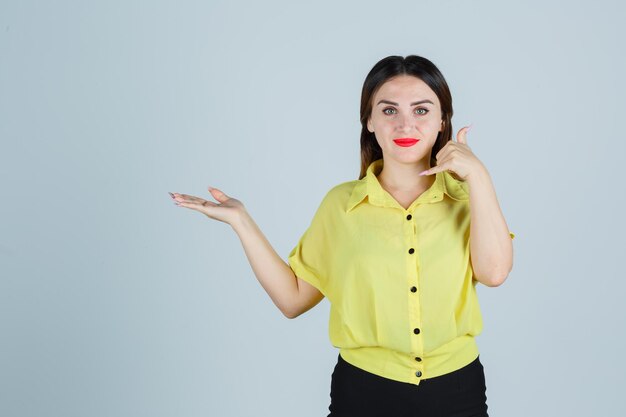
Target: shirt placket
(415, 317)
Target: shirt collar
(368, 186)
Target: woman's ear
(370, 128)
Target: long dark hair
(390, 67)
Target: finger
(195, 203)
(199, 206)
(219, 195)
(428, 171)
(188, 198)
(443, 153)
(461, 136)
(445, 147)
(443, 166)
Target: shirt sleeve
(310, 257)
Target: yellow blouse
(399, 281)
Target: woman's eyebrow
(412, 104)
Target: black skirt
(355, 392)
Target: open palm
(226, 210)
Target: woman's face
(405, 107)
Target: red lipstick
(405, 142)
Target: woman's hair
(387, 68)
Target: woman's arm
(491, 246)
(289, 293)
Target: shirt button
(411, 250)
(417, 358)
(409, 217)
(416, 331)
(418, 373)
(413, 289)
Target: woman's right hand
(228, 209)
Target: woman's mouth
(404, 142)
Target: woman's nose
(404, 122)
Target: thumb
(218, 194)
(461, 136)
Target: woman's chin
(406, 157)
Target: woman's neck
(405, 178)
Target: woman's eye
(391, 109)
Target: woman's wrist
(241, 221)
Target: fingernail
(470, 126)
(423, 172)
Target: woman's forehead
(406, 88)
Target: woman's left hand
(457, 157)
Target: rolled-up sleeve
(309, 258)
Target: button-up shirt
(399, 281)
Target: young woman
(398, 253)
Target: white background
(115, 302)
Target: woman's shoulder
(340, 193)
(455, 187)
(337, 197)
(342, 190)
